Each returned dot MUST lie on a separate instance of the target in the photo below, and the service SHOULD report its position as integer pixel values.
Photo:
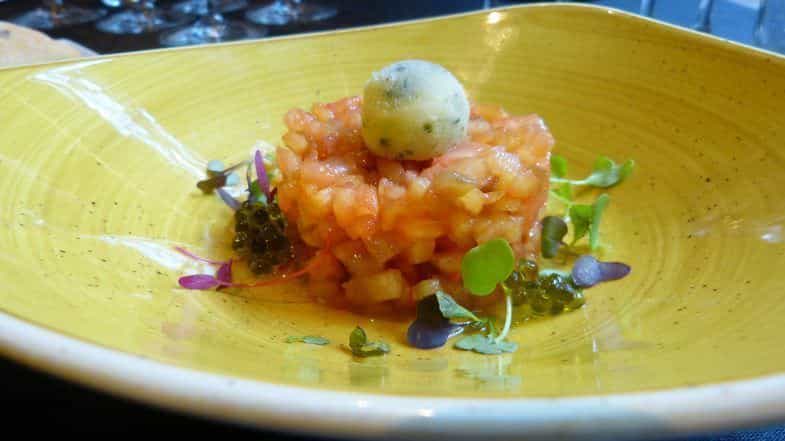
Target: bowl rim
(668, 412)
(293, 409)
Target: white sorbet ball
(414, 110)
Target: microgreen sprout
(586, 219)
(193, 256)
(224, 273)
(486, 265)
(308, 339)
(260, 226)
(223, 276)
(261, 174)
(559, 170)
(483, 268)
(361, 347)
(552, 238)
(218, 177)
(215, 167)
(486, 345)
(558, 166)
(256, 194)
(230, 201)
(606, 173)
(199, 282)
(451, 310)
(433, 325)
(249, 180)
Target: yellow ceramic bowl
(98, 161)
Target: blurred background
(111, 26)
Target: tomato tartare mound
(394, 231)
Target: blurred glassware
(703, 23)
(211, 27)
(497, 3)
(56, 14)
(647, 7)
(141, 16)
(286, 12)
(770, 28)
(192, 7)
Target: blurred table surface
(40, 404)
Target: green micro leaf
(361, 347)
(607, 173)
(580, 217)
(564, 192)
(256, 193)
(486, 345)
(357, 338)
(553, 231)
(587, 218)
(559, 170)
(558, 166)
(486, 265)
(308, 339)
(372, 349)
(451, 310)
(492, 332)
(597, 209)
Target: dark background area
(730, 19)
(38, 404)
(351, 13)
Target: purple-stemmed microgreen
(228, 199)
(222, 278)
(200, 282)
(193, 256)
(433, 325)
(255, 194)
(215, 167)
(589, 271)
(261, 174)
(219, 178)
(249, 180)
(259, 188)
(224, 273)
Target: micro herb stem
(507, 319)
